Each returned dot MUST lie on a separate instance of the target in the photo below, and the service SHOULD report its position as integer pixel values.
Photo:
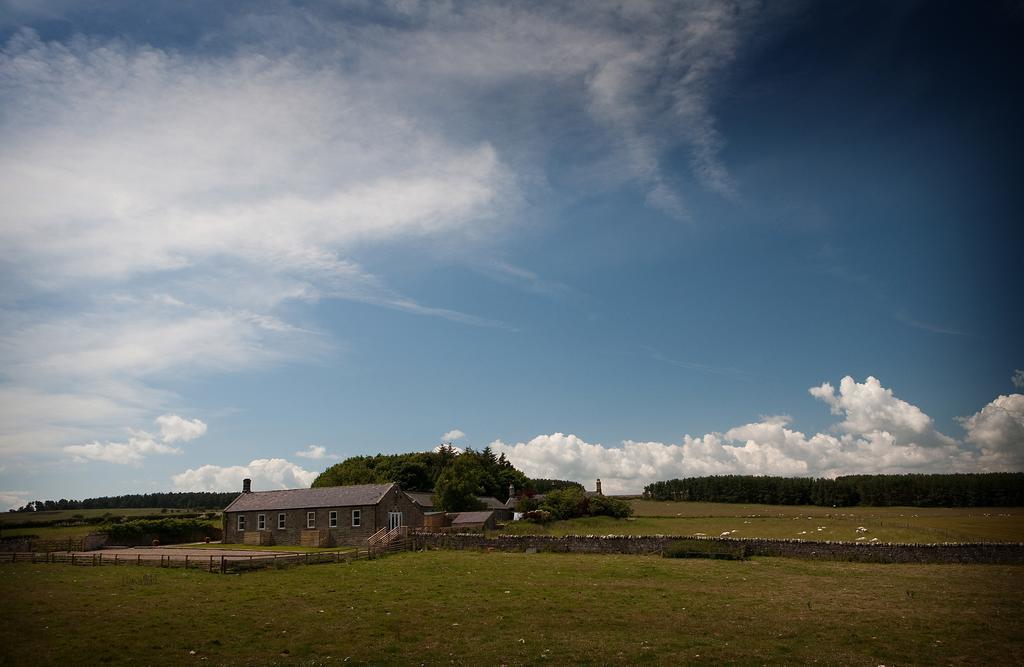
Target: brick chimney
(599, 487)
(246, 486)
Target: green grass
(53, 532)
(472, 608)
(71, 515)
(66, 532)
(886, 524)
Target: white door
(394, 520)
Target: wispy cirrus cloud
(175, 202)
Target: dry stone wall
(984, 552)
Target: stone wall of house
(372, 519)
(396, 501)
(1004, 553)
(295, 522)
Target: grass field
(472, 608)
(886, 524)
(70, 515)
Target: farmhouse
(320, 517)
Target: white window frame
(310, 520)
(261, 522)
(241, 523)
(281, 520)
(357, 518)
(332, 519)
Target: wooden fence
(216, 564)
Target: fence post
(115, 560)
(72, 557)
(186, 561)
(138, 559)
(211, 564)
(223, 565)
(101, 559)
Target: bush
(605, 506)
(572, 502)
(168, 531)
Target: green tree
(458, 485)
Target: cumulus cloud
(998, 431)
(453, 435)
(141, 443)
(316, 453)
(132, 451)
(174, 428)
(266, 474)
(869, 407)
(879, 433)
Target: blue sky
(633, 241)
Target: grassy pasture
(72, 515)
(472, 608)
(886, 524)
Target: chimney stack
(599, 487)
(246, 486)
(511, 490)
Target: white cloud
(270, 170)
(1018, 379)
(136, 448)
(868, 408)
(316, 453)
(998, 430)
(140, 443)
(13, 499)
(266, 474)
(174, 428)
(453, 435)
(208, 191)
(879, 434)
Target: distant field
(885, 524)
(473, 608)
(71, 515)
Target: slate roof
(421, 498)
(471, 517)
(491, 502)
(327, 496)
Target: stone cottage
(321, 517)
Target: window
(357, 518)
(261, 522)
(334, 519)
(280, 521)
(241, 522)
(310, 519)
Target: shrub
(168, 531)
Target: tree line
(173, 500)
(456, 479)
(997, 489)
